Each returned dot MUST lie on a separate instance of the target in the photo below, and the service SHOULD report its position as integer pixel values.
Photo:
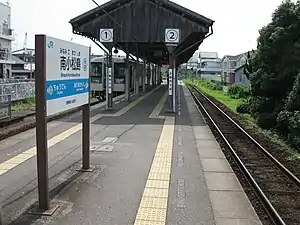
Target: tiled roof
(17, 60)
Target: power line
(107, 14)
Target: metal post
(109, 81)
(134, 79)
(127, 78)
(137, 77)
(144, 76)
(157, 75)
(153, 75)
(9, 105)
(86, 129)
(149, 74)
(41, 122)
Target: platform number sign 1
(172, 36)
(106, 35)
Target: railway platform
(150, 167)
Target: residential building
(194, 61)
(6, 37)
(18, 69)
(28, 57)
(233, 69)
(239, 76)
(209, 66)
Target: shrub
(288, 125)
(267, 120)
(283, 123)
(217, 86)
(237, 91)
(243, 108)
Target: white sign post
(107, 36)
(61, 83)
(172, 38)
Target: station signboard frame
(62, 82)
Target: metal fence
(5, 108)
(17, 89)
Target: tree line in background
(274, 72)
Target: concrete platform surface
(149, 167)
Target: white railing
(17, 89)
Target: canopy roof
(139, 27)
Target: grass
(218, 94)
(25, 105)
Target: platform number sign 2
(106, 35)
(172, 36)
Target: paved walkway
(149, 168)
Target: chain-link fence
(12, 90)
(5, 108)
(17, 89)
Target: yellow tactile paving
(156, 192)
(160, 170)
(29, 155)
(159, 107)
(131, 105)
(159, 176)
(163, 154)
(16, 160)
(145, 222)
(152, 202)
(25, 156)
(153, 205)
(30, 151)
(157, 184)
(161, 161)
(22, 157)
(7, 166)
(163, 150)
(163, 164)
(152, 214)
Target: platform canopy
(139, 26)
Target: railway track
(274, 185)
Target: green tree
(275, 64)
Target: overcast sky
(235, 30)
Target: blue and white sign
(67, 75)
